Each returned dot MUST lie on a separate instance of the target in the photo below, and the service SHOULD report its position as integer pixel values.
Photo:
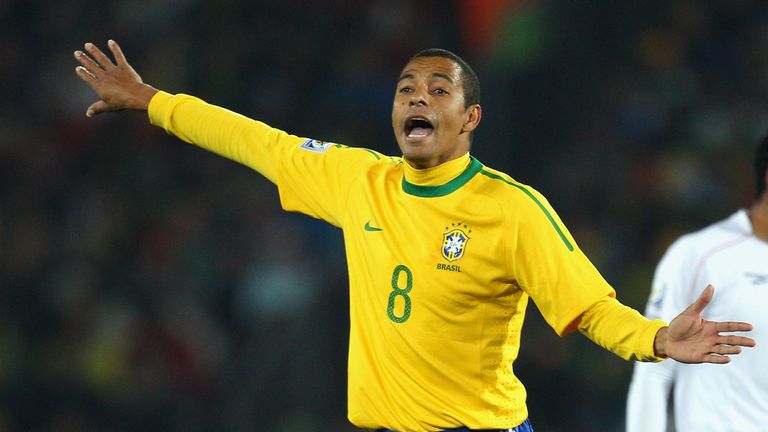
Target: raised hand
(692, 339)
(117, 84)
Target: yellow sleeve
(550, 267)
(226, 133)
(313, 177)
(621, 330)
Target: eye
(406, 90)
(440, 91)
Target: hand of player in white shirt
(692, 339)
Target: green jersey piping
(444, 189)
(376, 155)
(538, 203)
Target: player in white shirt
(732, 255)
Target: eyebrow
(434, 75)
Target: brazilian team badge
(454, 242)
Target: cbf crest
(455, 241)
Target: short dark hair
(761, 165)
(469, 80)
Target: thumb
(704, 298)
(96, 108)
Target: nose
(418, 97)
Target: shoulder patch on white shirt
(655, 300)
(316, 146)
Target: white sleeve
(651, 385)
(648, 398)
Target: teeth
(419, 133)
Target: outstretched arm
(226, 133)
(117, 84)
(688, 339)
(692, 339)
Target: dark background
(148, 285)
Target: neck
(439, 174)
(758, 215)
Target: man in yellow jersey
(443, 252)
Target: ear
(474, 114)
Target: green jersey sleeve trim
(538, 203)
(376, 155)
(437, 191)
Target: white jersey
(709, 397)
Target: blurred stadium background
(147, 285)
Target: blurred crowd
(148, 285)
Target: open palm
(692, 339)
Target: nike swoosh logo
(368, 227)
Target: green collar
(444, 189)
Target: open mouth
(418, 127)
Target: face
(430, 121)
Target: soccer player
(443, 251)
(733, 254)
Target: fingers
(89, 65)
(96, 108)
(716, 359)
(727, 349)
(117, 85)
(118, 53)
(736, 340)
(99, 56)
(84, 74)
(703, 300)
(732, 326)
(720, 354)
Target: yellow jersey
(441, 265)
